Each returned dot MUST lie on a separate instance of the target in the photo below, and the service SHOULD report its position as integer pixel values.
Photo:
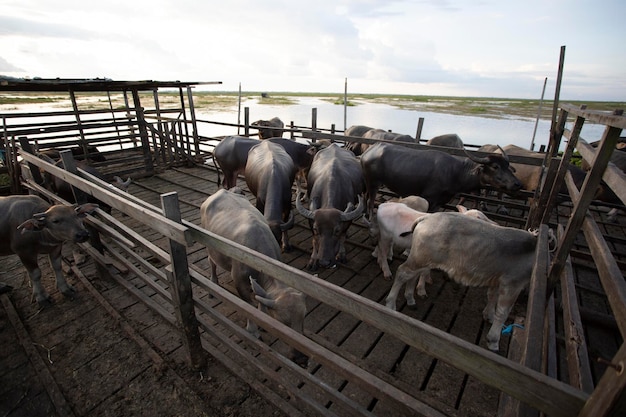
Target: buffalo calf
(29, 226)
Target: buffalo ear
(37, 222)
(266, 302)
(83, 209)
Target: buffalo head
(329, 226)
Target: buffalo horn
(348, 216)
(121, 184)
(478, 160)
(504, 155)
(303, 210)
(256, 287)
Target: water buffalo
(431, 174)
(29, 226)
(231, 216)
(335, 184)
(450, 140)
(64, 190)
(269, 173)
(473, 253)
(272, 128)
(358, 148)
(395, 218)
(357, 131)
(231, 156)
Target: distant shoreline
(213, 101)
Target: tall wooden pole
(532, 141)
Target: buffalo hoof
(287, 249)
(45, 302)
(312, 266)
(412, 306)
(69, 292)
(387, 278)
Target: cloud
(6, 66)
(12, 26)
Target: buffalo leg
(490, 309)
(34, 273)
(403, 275)
(506, 299)
(409, 290)
(55, 262)
(384, 249)
(425, 278)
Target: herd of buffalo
(335, 186)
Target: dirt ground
(100, 366)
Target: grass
(215, 101)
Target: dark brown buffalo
(270, 173)
(29, 226)
(431, 174)
(335, 184)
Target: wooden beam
(546, 394)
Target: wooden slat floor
(450, 307)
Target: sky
(475, 48)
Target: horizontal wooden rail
(546, 394)
(116, 199)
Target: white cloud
(453, 47)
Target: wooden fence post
(418, 133)
(314, 119)
(180, 288)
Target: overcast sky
(485, 48)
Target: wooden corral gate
(527, 380)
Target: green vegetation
(218, 100)
(339, 101)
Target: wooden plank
(166, 227)
(344, 368)
(575, 344)
(532, 387)
(608, 270)
(180, 287)
(609, 392)
(62, 407)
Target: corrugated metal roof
(89, 84)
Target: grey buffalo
(450, 140)
(431, 174)
(29, 226)
(272, 128)
(473, 253)
(270, 173)
(335, 184)
(231, 156)
(358, 148)
(232, 216)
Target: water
(472, 130)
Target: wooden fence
(526, 388)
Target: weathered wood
(613, 176)
(165, 226)
(587, 193)
(575, 343)
(374, 385)
(608, 270)
(180, 286)
(62, 407)
(543, 393)
(609, 393)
